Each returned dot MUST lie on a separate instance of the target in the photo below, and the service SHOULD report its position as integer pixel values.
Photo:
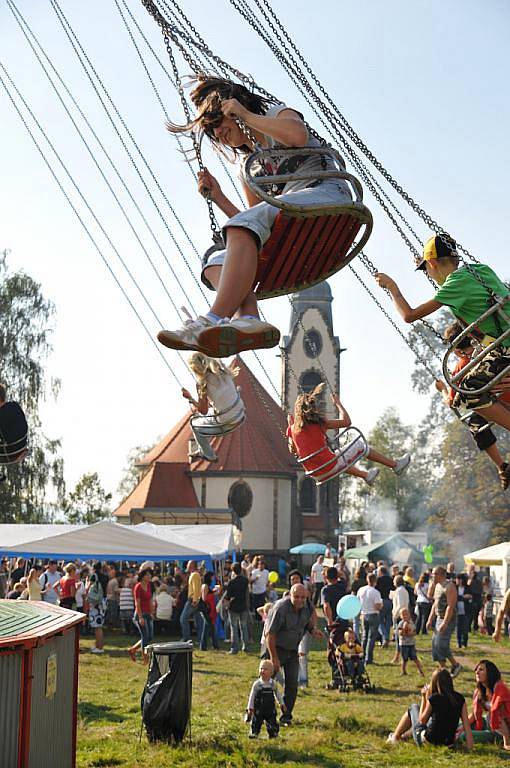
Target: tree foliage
(132, 472)
(89, 502)
(25, 330)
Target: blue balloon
(348, 607)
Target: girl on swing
(307, 434)
(218, 400)
(233, 323)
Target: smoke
(382, 516)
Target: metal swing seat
(484, 346)
(215, 427)
(308, 243)
(328, 470)
(13, 435)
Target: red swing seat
(308, 243)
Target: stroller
(344, 679)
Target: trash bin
(166, 698)
(38, 684)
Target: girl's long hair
(493, 677)
(307, 409)
(207, 95)
(442, 682)
(201, 365)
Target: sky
(424, 84)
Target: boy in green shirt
(468, 298)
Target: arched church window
(309, 380)
(312, 343)
(307, 496)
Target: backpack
(95, 594)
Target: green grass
(331, 730)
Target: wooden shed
(39, 648)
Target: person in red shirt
(307, 435)
(67, 587)
(144, 612)
(491, 702)
(479, 427)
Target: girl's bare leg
(403, 726)
(238, 273)
(380, 459)
(249, 305)
(356, 472)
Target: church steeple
(311, 351)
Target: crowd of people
(195, 603)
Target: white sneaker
(391, 738)
(96, 650)
(372, 475)
(402, 464)
(230, 338)
(186, 337)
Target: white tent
(497, 559)
(216, 541)
(12, 534)
(104, 541)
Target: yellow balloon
(273, 577)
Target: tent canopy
(497, 554)
(310, 548)
(395, 547)
(216, 541)
(104, 541)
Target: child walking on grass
(261, 703)
(406, 629)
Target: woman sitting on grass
(435, 720)
(491, 702)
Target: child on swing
(463, 290)
(479, 427)
(233, 324)
(218, 396)
(307, 434)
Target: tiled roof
(258, 446)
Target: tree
(133, 473)
(89, 502)
(26, 325)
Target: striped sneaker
(230, 338)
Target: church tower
(311, 355)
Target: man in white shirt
(400, 599)
(164, 608)
(48, 580)
(371, 604)
(317, 578)
(259, 579)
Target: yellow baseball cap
(438, 247)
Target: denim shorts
(259, 219)
(408, 652)
(441, 641)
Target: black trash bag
(166, 699)
(13, 433)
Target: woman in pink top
(144, 612)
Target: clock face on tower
(312, 343)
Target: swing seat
(355, 450)
(214, 426)
(485, 346)
(13, 434)
(308, 243)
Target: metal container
(39, 647)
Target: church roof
(257, 446)
(318, 296)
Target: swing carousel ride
(308, 243)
